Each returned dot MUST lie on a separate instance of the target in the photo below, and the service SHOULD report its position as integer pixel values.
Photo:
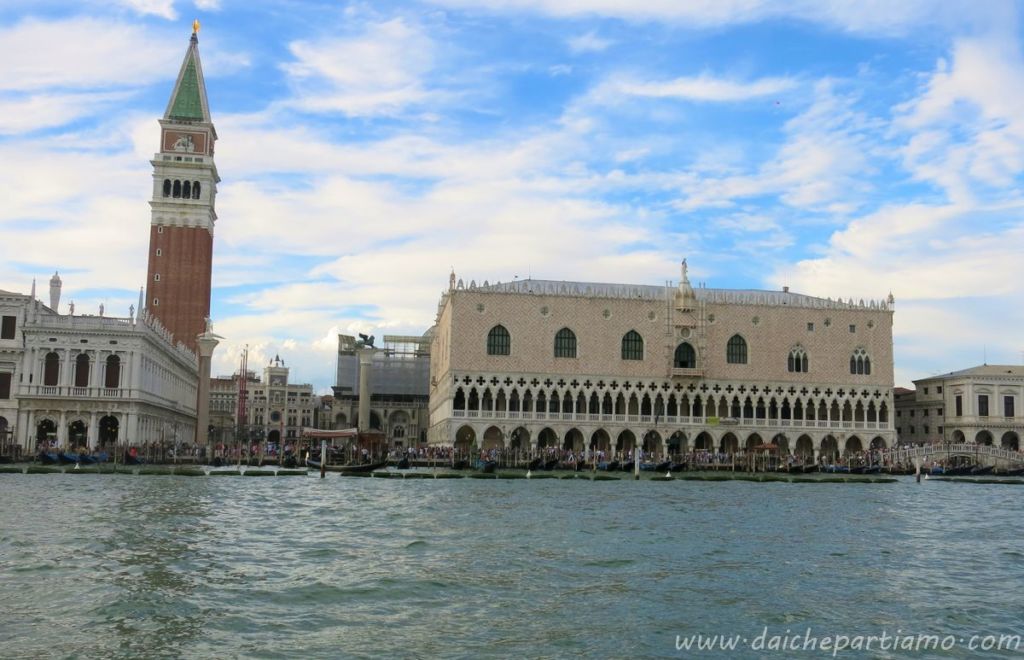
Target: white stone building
(577, 365)
(91, 380)
(981, 404)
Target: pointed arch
(565, 343)
(632, 346)
(685, 357)
(736, 350)
(797, 361)
(499, 342)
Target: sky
(846, 149)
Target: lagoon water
(160, 566)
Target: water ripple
(113, 566)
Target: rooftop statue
(365, 341)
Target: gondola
(664, 466)
(48, 458)
(365, 467)
(1016, 472)
(535, 464)
(677, 467)
(460, 464)
(68, 458)
(403, 464)
(811, 467)
(979, 470)
(550, 465)
(613, 466)
(487, 467)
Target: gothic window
(498, 341)
(82, 370)
(736, 350)
(565, 343)
(51, 369)
(177, 188)
(113, 377)
(167, 187)
(186, 190)
(798, 361)
(860, 363)
(632, 346)
(195, 190)
(686, 357)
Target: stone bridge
(980, 453)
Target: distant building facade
(399, 382)
(276, 409)
(980, 404)
(576, 365)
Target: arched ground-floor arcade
(620, 440)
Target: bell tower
(182, 207)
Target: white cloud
(704, 87)
(161, 8)
(824, 163)
(588, 42)
(24, 113)
(965, 132)
(82, 53)
(380, 71)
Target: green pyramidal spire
(188, 100)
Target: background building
(981, 404)
(399, 381)
(572, 364)
(274, 408)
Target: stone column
(30, 431)
(23, 437)
(62, 430)
(365, 365)
(94, 430)
(206, 342)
